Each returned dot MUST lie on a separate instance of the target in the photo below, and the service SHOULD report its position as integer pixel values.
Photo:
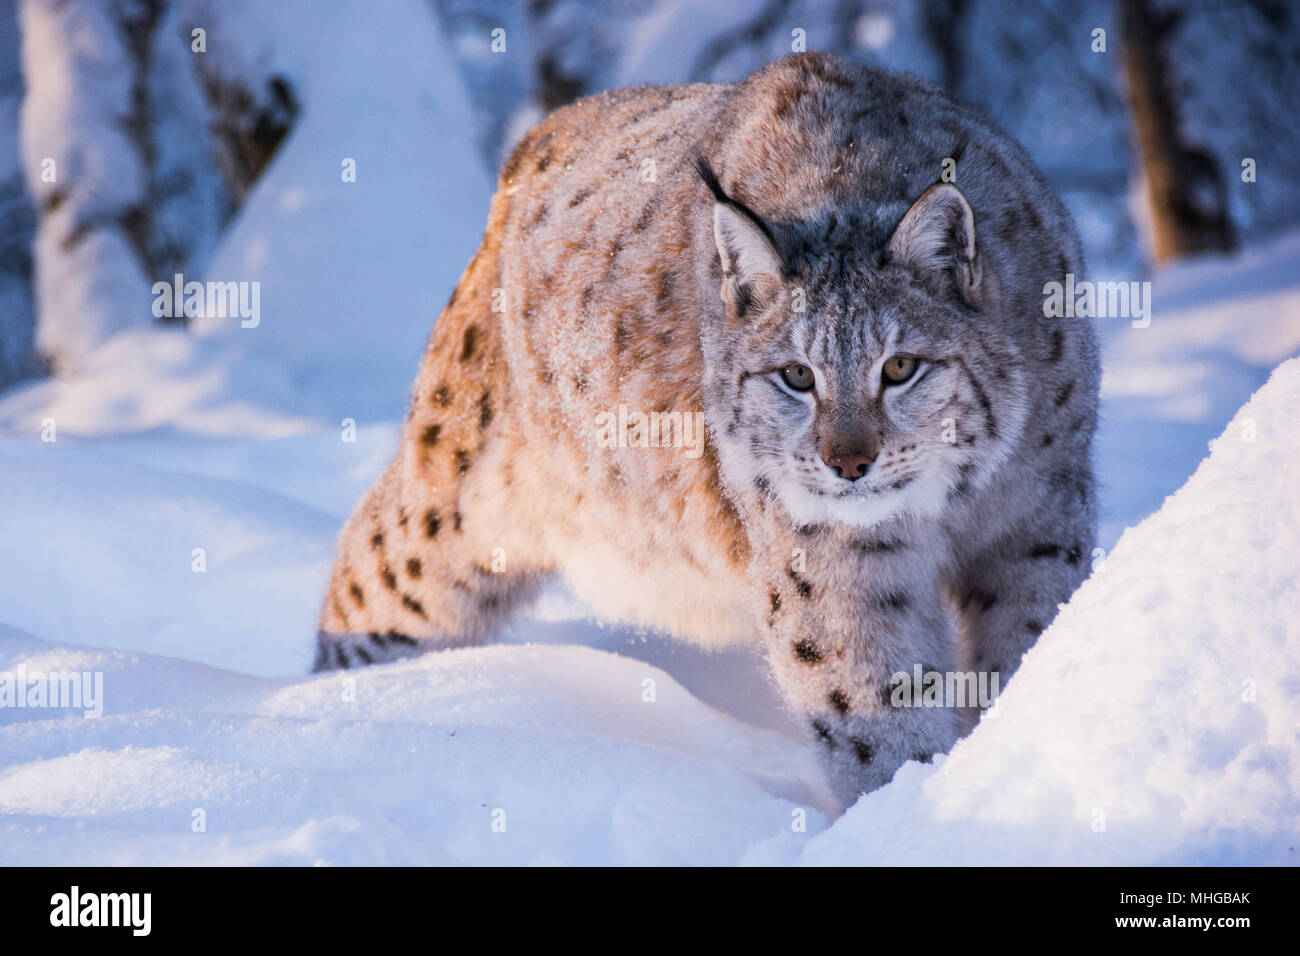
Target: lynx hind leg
(340, 651)
(440, 552)
(414, 576)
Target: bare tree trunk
(17, 310)
(1185, 188)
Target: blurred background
(130, 143)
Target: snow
(288, 771)
(571, 741)
(396, 240)
(1218, 326)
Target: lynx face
(893, 418)
(885, 395)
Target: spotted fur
(671, 249)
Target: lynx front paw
(861, 753)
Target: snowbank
(493, 755)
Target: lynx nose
(849, 465)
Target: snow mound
(95, 550)
(1155, 721)
(523, 755)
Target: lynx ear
(751, 265)
(937, 239)
(747, 253)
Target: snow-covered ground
(1155, 722)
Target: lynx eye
(799, 377)
(899, 369)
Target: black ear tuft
(710, 178)
(705, 169)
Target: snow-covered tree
(137, 145)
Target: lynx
(839, 272)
